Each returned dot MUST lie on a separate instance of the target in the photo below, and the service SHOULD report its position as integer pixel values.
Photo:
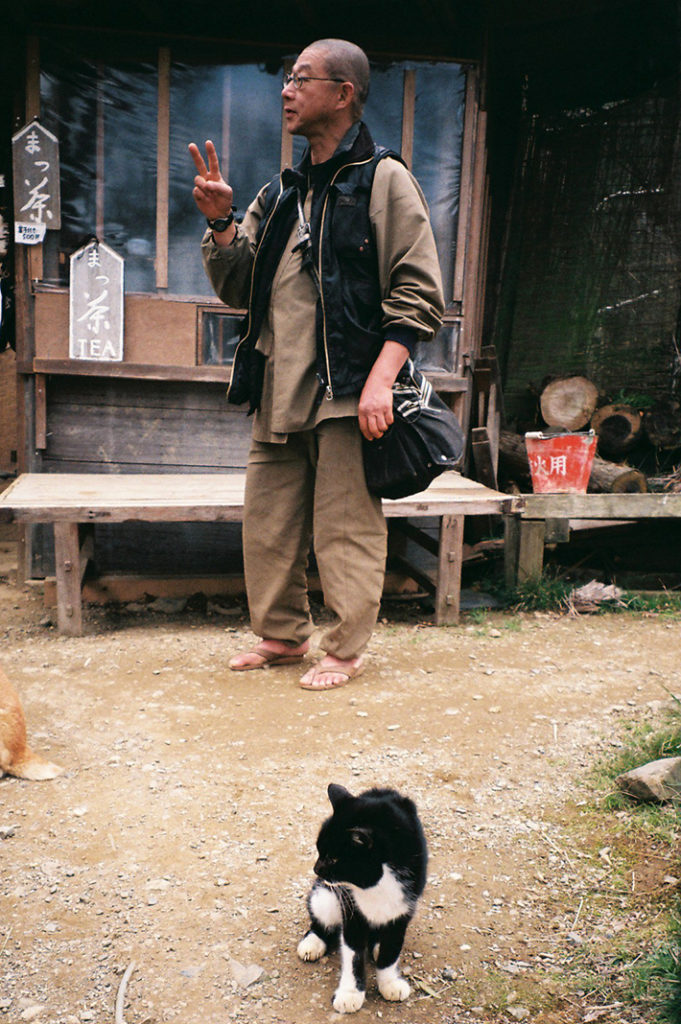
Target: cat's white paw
(311, 947)
(395, 989)
(348, 1000)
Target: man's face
(308, 110)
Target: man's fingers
(199, 162)
(213, 162)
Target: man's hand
(375, 409)
(376, 401)
(212, 194)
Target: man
(330, 323)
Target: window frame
(463, 305)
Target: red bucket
(560, 463)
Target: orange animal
(16, 757)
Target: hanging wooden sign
(37, 201)
(96, 304)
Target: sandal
(263, 657)
(321, 676)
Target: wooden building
(462, 89)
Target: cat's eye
(361, 837)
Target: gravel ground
(180, 836)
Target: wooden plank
(149, 437)
(67, 566)
(470, 333)
(162, 167)
(171, 342)
(465, 187)
(482, 456)
(448, 593)
(602, 506)
(100, 149)
(133, 371)
(511, 545)
(34, 255)
(408, 104)
(225, 150)
(89, 497)
(40, 411)
(530, 550)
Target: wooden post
(448, 593)
(162, 167)
(40, 411)
(67, 570)
(408, 101)
(530, 549)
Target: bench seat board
(175, 497)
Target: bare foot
(269, 653)
(332, 672)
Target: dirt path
(181, 834)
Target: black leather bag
(423, 441)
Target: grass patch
(647, 972)
(545, 593)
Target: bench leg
(448, 592)
(530, 549)
(67, 567)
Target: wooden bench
(70, 500)
(547, 518)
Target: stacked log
(649, 437)
(605, 476)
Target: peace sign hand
(212, 194)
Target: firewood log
(662, 424)
(605, 476)
(618, 426)
(568, 402)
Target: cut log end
(618, 427)
(630, 482)
(568, 402)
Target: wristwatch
(221, 223)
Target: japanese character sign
(37, 201)
(96, 304)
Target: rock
(31, 1012)
(245, 975)
(659, 780)
(7, 831)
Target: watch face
(220, 224)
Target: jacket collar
(356, 144)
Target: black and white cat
(370, 871)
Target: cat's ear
(362, 837)
(337, 795)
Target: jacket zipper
(250, 293)
(328, 384)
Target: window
(124, 127)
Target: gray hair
(349, 62)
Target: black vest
(349, 335)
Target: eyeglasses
(299, 80)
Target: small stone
(31, 1012)
(245, 975)
(518, 1012)
(7, 831)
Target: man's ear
(346, 95)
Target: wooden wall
(592, 275)
(131, 426)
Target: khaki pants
(313, 485)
